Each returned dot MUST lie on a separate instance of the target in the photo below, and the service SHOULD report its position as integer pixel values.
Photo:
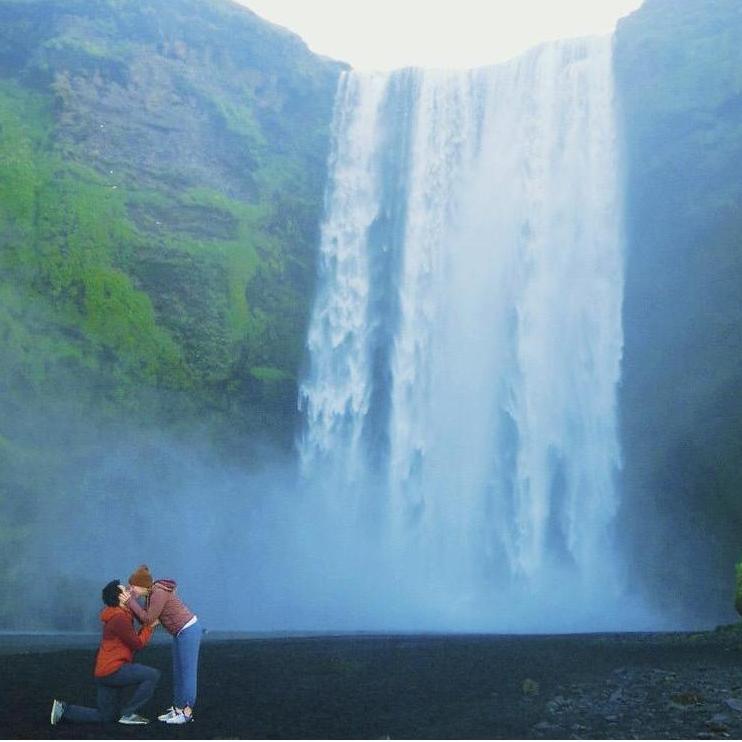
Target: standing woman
(163, 604)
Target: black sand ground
(380, 687)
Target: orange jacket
(119, 641)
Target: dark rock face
(677, 68)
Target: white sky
(387, 34)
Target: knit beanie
(141, 577)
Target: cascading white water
(465, 345)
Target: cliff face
(162, 175)
(679, 74)
(162, 170)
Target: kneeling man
(115, 668)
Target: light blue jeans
(185, 665)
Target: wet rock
(688, 698)
(734, 703)
(718, 730)
(717, 727)
(558, 704)
(617, 696)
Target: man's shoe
(58, 709)
(179, 717)
(133, 719)
(165, 715)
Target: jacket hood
(168, 585)
(110, 612)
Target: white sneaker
(58, 709)
(179, 717)
(133, 719)
(165, 715)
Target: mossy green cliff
(162, 169)
(161, 176)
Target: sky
(388, 34)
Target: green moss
(84, 46)
(65, 231)
(240, 119)
(25, 122)
(266, 373)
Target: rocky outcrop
(677, 67)
(173, 156)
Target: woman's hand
(124, 595)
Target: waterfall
(465, 343)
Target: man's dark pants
(109, 689)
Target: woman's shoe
(179, 717)
(165, 715)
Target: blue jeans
(185, 665)
(143, 678)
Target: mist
(251, 551)
(260, 547)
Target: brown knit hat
(141, 577)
